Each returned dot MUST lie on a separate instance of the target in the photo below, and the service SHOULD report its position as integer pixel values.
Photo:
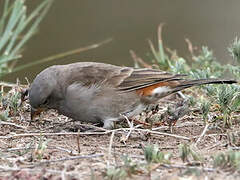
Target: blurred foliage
(127, 170)
(234, 49)
(153, 155)
(40, 148)
(228, 161)
(10, 103)
(228, 98)
(186, 152)
(205, 109)
(16, 28)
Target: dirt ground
(51, 147)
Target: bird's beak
(35, 112)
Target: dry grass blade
(90, 156)
(187, 167)
(160, 27)
(78, 143)
(95, 133)
(191, 48)
(202, 134)
(50, 134)
(110, 148)
(139, 60)
(12, 124)
(62, 55)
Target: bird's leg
(109, 123)
(152, 107)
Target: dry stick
(210, 135)
(164, 134)
(215, 145)
(186, 124)
(203, 133)
(10, 169)
(62, 55)
(63, 174)
(78, 142)
(65, 150)
(187, 167)
(70, 158)
(11, 124)
(95, 133)
(110, 148)
(130, 124)
(28, 148)
(51, 134)
(139, 60)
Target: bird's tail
(189, 83)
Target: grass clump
(153, 155)
(115, 174)
(10, 103)
(205, 109)
(16, 28)
(186, 152)
(128, 169)
(234, 49)
(228, 99)
(228, 161)
(40, 149)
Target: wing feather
(141, 78)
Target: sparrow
(104, 93)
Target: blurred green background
(77, 23)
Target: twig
(210, 135)
(186, 124)
(181, 95)
(49, 147)
(11, 124)
(62, 55)
(94, 133)
(215, 145)
(78, 142)
(203, 133)
(110, 148)
(187, 167)
(51, 134)
(191, 48)
(63, 174)
(141, 122)
(70, 158)
(164, 134)
(130, 124)
(63, 149)
(11, 169)
(139, 60)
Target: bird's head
(40, 92)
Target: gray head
(41, 91)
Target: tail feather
(189, 83)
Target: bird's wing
(121, 78)
(141, 78)
(127, 79)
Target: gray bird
(104, 93)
